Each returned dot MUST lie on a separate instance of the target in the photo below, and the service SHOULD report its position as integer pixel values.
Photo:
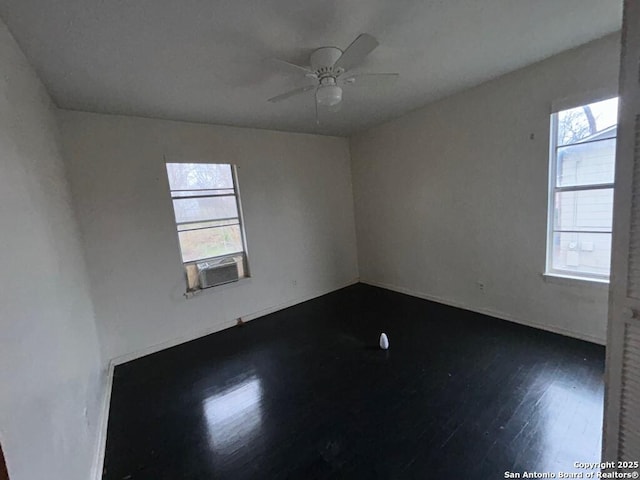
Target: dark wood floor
(305, 393)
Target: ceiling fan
(328, 66)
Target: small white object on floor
(384, 341)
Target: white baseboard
(103, 423)
(231, 322)
(104, 414)
(102, 434)
(489, 312)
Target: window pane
(584, 210)
(586, 163)
(588, 253)
(200, 209)
(210, 242)
(595, 121)
(193, 176)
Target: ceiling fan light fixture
(328, 67)
(329, 95)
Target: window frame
(241, 225)
(243, 233)
(553, 189)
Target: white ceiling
(204, 60)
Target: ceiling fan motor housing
(323, 59)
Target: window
(583, 147)
(208, 218)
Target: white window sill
(560, 279)
(218, 288)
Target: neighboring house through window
(582, 166)
(208, 216)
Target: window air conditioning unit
(217, 272)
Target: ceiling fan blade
(293, 67)
(370, 79)
(355, 53)
(291, 93)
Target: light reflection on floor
(234, 415)
(566, 409)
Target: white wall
(456, 193)
(298, 208)
(49, 354)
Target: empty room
(319, 240)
